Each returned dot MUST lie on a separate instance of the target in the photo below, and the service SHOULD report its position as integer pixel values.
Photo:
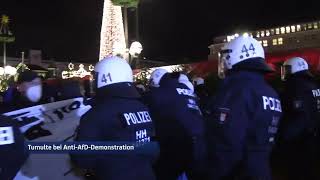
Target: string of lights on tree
(112, 30)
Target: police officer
(244, 116)
(116, 115)
(12, 151)
(154, 83)
(156, 76)
(179, 129)
(300, 124)
(185, 80)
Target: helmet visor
(224, 55)
(95, 82)
(285, 72)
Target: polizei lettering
(316, 92)
(272, 104)
(137, 117)
(185, 92)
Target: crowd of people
(246, 131)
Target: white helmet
(185, 80)
(112, 70)
(156, 76)
(244, 48)
(292, 66)
(198, 81)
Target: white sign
(61, 119)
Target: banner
(51, 114)
(61, 119)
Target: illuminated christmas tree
(112, 30)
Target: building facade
(277, 39)
(46, 68)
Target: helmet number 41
(106, 78)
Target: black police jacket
(301, 104)
(178, 121)
(13, 153)
(116, 116)
(242, 124)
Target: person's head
(183, 79)
(112, 70)
(156, 76)
(244, 53)
(292, 66)
(30, 85)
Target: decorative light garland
(91, 67)
(71, 66)
(80, 73)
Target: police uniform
(179, 129)
(242, 127)
(298, 139)
(117, 115)
(243, 119)
(114, 118)
(13, 153)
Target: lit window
(309, 26)
(315, 25)
(228, 38)
(280, 41)
(262, 33)
(267, 33)
(288, 29)
(260, 42)
(293, 29)
(304, 27)
(275, 42)
(265, 43)
(258, 34)
(277, 31)
(298, 28)
(272, 32)
(283, 30)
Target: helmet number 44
(246, 50)
(106, 78)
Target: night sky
(170, 30)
